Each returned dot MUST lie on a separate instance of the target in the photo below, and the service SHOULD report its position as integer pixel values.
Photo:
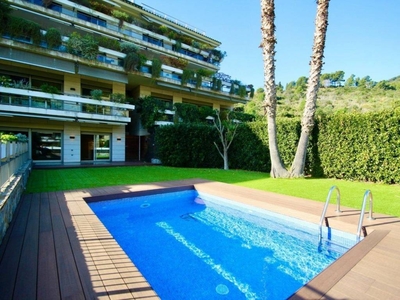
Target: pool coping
(314, 289)
(104, 271)
(324, 284)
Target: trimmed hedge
(356, 146)
(187, 145)
(361, 146)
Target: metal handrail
(326, 207)
(370, 217)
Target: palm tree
(268, 47)
(307, 122)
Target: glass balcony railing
(63, 103)
(124, 30)
(176, 78)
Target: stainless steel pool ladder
(370, 217)
(328, 198)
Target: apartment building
(70, 72)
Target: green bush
(361, 146)
(249, 149)
(19, 27)
(86, 46)
(53, 38)
(109, 43)
(156, 68)
(188, 145)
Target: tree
(384, 85)
(226, 131)
(307, 122)
(5, 11)
(337, 77)
(366, 82)
(268, 48)
(351, 81)
(301, 84)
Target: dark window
(153, 40)
(91, 19)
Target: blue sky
(363, 36)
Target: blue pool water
(196, 246)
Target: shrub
(86, 46)
(361, 146)
(156, 68)
(19, 27)
(127, 47)
(53, 38)
(108, 43)
(118, 97)
(187, 75)
(46, 88)
(96, 94)
(188, 145)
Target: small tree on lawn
(226, 131)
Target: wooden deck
(56, 248)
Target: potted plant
(96, 94)
(53, 38)
(118, 97)
(121, 16)
(156, 68)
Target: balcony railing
(126, 30)
(12, 157)
(63, 105)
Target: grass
(386, 197)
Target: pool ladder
(367, 194)
(328, 198)
(370, 217)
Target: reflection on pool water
(191, 245)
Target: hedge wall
(361, 146)
(187, 145)
(348, 146)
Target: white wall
(118, 143)
(72, 147)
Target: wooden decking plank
(47, 283)
(3, 245)
(323, 282)
(70, 286)
(10, 260)
(25, 284)
(77, 251)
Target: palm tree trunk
(268, 48)
(307, 122)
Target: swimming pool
(191, 245)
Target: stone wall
(11, 194)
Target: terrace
(21, 102)
(57, 248)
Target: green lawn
(386, 197)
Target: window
(91, 19)
(46, 146)
(153, 40)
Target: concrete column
(176, 99)
(118, 88)
(72, 84)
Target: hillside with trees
(336, 93)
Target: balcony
(84, 16)
(27, 103)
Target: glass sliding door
(46, 146)
(87, 147)
(102, 147)
(95, 147)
